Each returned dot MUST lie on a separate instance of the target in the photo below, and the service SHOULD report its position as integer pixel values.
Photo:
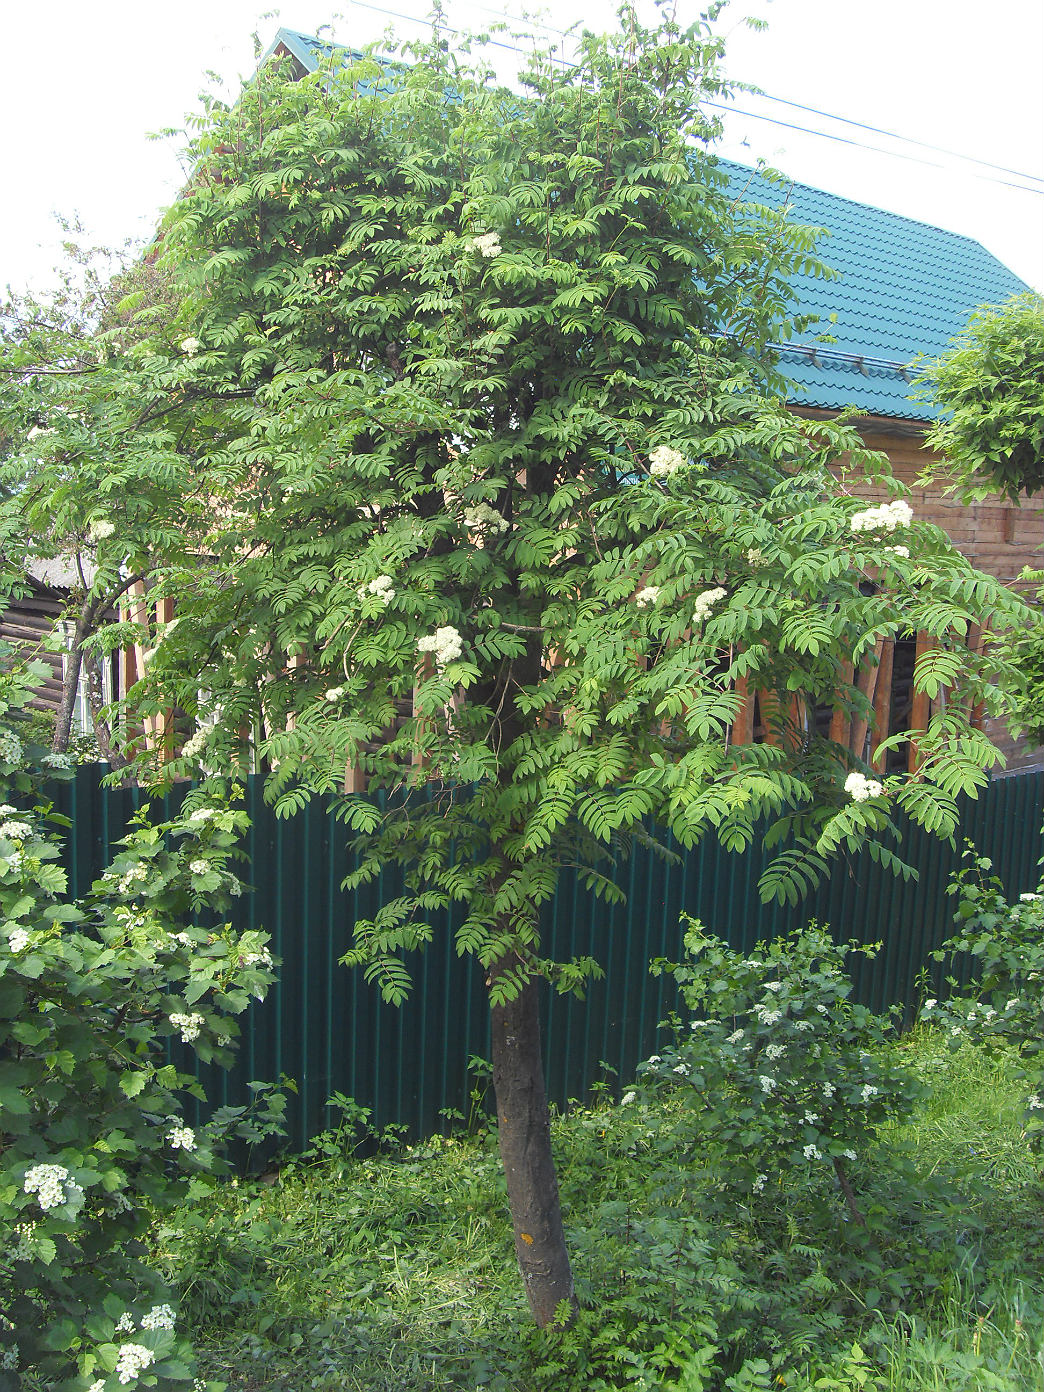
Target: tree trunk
(524, 1128)
(63, 720)
(95, 699)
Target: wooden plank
(921, 706)
(866, 684)
(743, 725)
(883, 698)
(840, 721)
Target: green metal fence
(326, 1028)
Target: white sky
(86, 80)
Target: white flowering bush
(1003, 1005)
(778, 1067)
(93, 1139)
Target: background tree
(502, 503)
(990, 387)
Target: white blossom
(60, 761)
(190, 347)
(19, 940)
(333, 694)
(767, 1083)
(159, 1317)
(16, 831)
(735, 1037)
(483, 518)
(1012, 1004)
(665, 461)
(381, 588)
(868, 1091)
(811, 1118)
(756, 557)
(903, 551)
(861, 789)
(194, 745)
(885, 518)
(649, 595)
(100, 529)
(682, 1068)
(1034, 1103)
(51, 1185)
(775, 1051)
(705, 602)
(929, 1004)
(1030, 898)
(182, 1138)
(849, 1154)
(773, 985)
(97, 1386)
(487, 243)
(759, 1183)
(10, 748)
(445, 643)
(132, 1360)
(263, 958)
(189, 1025)
(204, 814)
(812, 1152)
(37, 430)
(199, 866)
(125, 1324)
(627, 1099)
(828, 1090)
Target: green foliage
(990, 386)
(478, 424)
(92, 1134)
(779, 1067)
(1001, 945)
(393, 1273)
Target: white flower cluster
(775, 1051)
(1034, 1103)
(861, 789)
(159, 1317)
(58, 761)
(334, 694)
(19, 940)
(627, 1099)
(9, 1358)
(136, 875)
(25, 1249)
(665, 461)
(189, 1025)
(488, 243)
(885, 518)
(37, 430)
(812, 1152)
(445, 643)
(381, 588)
(756, 557)
(204, 814)
(682, 1068)
(705, 602)
(184, 939)
(768, 1084)
(258, 959)
(125, 1324)
(1030, 898)
(100, 529)
(868, 1091)
(10, 748)
(16, 831)
(759, 1183)
(903, 551)
(484, 519)
(767, 1016)
(828, 1090)
(133, 1360)
(194, 745)
(182, 1138)
(647, 596)
(51, 1185)
(199, 866)
(734, 1037)
(190, 347)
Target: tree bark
(524, 1131)
(63, 720)
(95, 699)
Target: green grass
(397, 1272)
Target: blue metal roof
(903, 288)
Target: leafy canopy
(502, 500)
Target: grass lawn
(397, 1272)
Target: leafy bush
(1004, 1004)
(93, 1140)
(779, 1067)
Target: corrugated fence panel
(323, 1026)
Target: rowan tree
(504, 504)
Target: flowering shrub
(789, 1074)
(92, 1135)
(1005, 1002)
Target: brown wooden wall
(997, 536)
(26, 623)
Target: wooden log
(866, 684)
(743, 725)
(840, 721)
(883, 698)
